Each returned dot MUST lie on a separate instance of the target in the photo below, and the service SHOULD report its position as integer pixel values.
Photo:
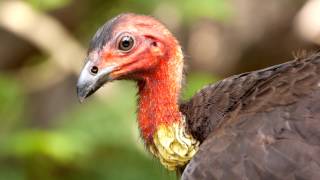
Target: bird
(263, 124)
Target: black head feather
(104, 34)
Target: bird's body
(258, 125)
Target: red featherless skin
(159, 93)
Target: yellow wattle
(173, 145)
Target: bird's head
(128, 46)
(140, 48)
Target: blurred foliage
(97, 139)
(12, 104)
(190, 10)
(48, 4)
(196, 81)
(93, 141)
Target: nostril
(94, 70)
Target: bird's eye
(126, 43)
(94, 69)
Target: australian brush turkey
(263, 124)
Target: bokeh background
(45, 134)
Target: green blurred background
(46, 134)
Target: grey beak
(88, 82)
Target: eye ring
(126, 43)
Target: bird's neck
(161, 123)
(159, 96)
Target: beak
(88, 83)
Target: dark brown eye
(126, 43)
(94, 70)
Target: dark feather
(259, 125)
(104, 33)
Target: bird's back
(258, 125)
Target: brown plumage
(258, 125)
